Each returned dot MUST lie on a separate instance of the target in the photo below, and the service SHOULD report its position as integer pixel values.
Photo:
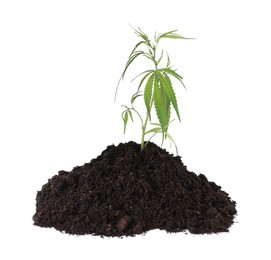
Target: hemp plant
(158, 90)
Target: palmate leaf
(169, 92)
(148, 93)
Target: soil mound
(125, 191)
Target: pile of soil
(125, 191)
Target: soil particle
(125, 191)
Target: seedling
(158, 90)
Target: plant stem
(147, 117)
(143, 132)
(143, 127)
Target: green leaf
(172, 35)
(168, 61)
(149, 57)
(172, 140)
(146, 71)
(170, 92)
(154, 130)
(131, 115)
(167, 101)
(136, 46)
(135, 96)
(160, 104)
(174, 74)
(130, 60)
(148, 94)
(160, 57)
(156, 124)
(143, 79)
(143, 35)
(125, 119)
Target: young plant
(158, 90)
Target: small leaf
(168, 61)
(130, 60)
(125, 119)
(156, 124)
(172, 140)
(136, 46)
(154, 130)
(160, 57)
(141, 34)
(131, 115)
(149, 57)
(172, 35)
(146, 71)
(135, 96)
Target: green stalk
(147, 117)
(143, 132)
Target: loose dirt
(125, 191)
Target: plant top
(158, 90)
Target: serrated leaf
(170, 92)
(168, 107)
(174, 74)
(148, 94)
(160, 104)
(167, 101)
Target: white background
(59, 65)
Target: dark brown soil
(125, 191)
